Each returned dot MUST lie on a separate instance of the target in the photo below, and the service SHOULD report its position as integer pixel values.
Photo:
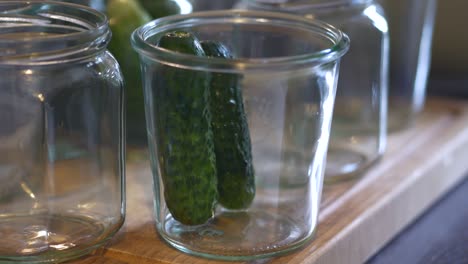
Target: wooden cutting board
(357, 217)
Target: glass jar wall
(62, 133)
(124, 16)
(238, 143)
(358, 135)
(411, 29)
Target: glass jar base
(346, 164)
(402, 113)
(400, 121)
(46, 238)
(237, 235)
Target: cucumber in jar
(236, 182)
(185, 139)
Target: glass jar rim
(299, 5)
(339, 42)
(26, 36)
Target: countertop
(439, 236)
(358, 218)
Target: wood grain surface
(357, 217)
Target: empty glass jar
(61, 133)
(124, 17)
(411, 29)
(238, 143)
(358, 134)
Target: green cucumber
(124, 17)
(236, 182)
(184, 135)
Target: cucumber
(124, 17)
(236, 182)
(184, 135)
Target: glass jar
(238, 144)
(358, 134)
(62, 133)
(411, 29)
(124, 17)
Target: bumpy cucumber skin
(185, 140)
(236, 182)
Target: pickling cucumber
(236, 183)
(124, 17)
(184, 135)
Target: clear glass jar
(62, 133)
(359, 127)
(238, 145)
(411, 29)
(124, 17)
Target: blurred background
(449, 69)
